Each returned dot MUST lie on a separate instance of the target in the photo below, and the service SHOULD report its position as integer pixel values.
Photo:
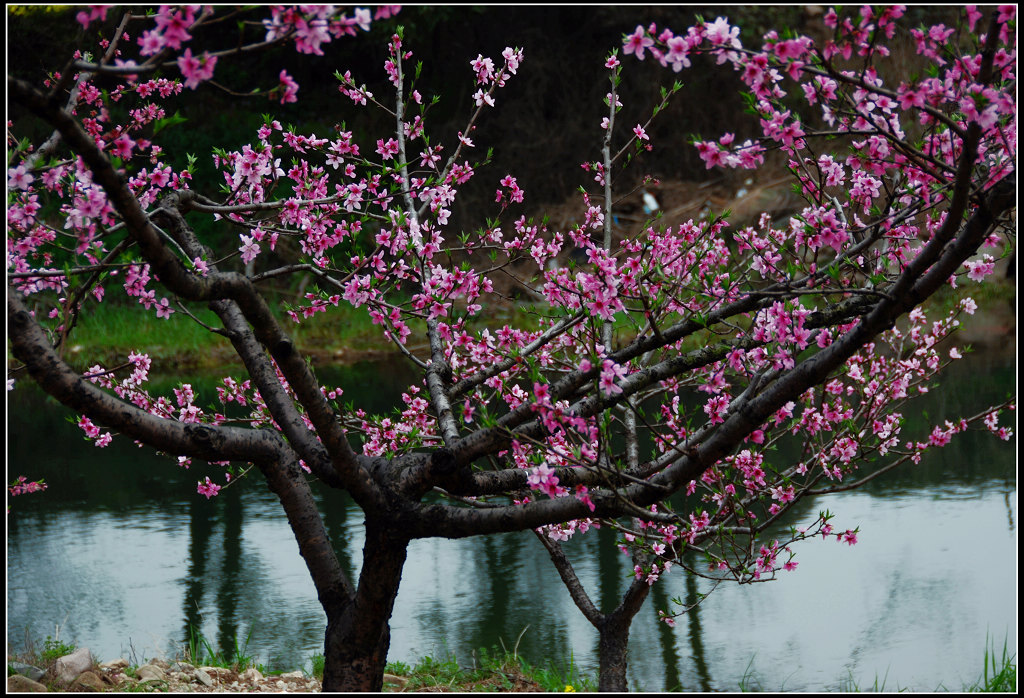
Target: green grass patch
(107, 332)
(493, 670)
(54, 650)
(114, 328)
(199, 652)
(999, 674)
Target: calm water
(123, 556)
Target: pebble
(204, 678)
(150, 672)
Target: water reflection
(134, 566)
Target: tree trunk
(350, 666)
(358, 633)
(613, 628)
(613, 648)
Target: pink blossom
(90, 429)
(387, 149)
(637, 42)
(610, 371)
(715, 409)
(977, 270)
(208, 488)
(362, 18)
(543, 478)
(249, 249)
(196, 70)
(164, 309)
(583, 496)
(287, 87)
(95, 12)
(719, 33)
(678, 50)
(19, 178)
(480, 98)
(484, 68)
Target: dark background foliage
(547, 119)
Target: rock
(204, 678)
(251, 675)
(162, 663)
(89, 681)
(218, 671)
(150, 672)
(70, 666)
(183, 667)
(396, 680)
(293, 675)
(32, 672)
(119, 663)
(23, 684)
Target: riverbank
(495, 671)
(77, 670)
(345, 335)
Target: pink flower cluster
(23, 486)
(489, 78)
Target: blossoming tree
(648, 390)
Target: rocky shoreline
(79, 672)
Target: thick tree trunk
(351, 666)
(613, 647)
(358, 633)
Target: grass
(54, 649)
(492, 670)
(108, 331)
(199, 652)
(999, 674)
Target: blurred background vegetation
(548, 117)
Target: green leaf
(160, 124)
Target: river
(123, 556)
